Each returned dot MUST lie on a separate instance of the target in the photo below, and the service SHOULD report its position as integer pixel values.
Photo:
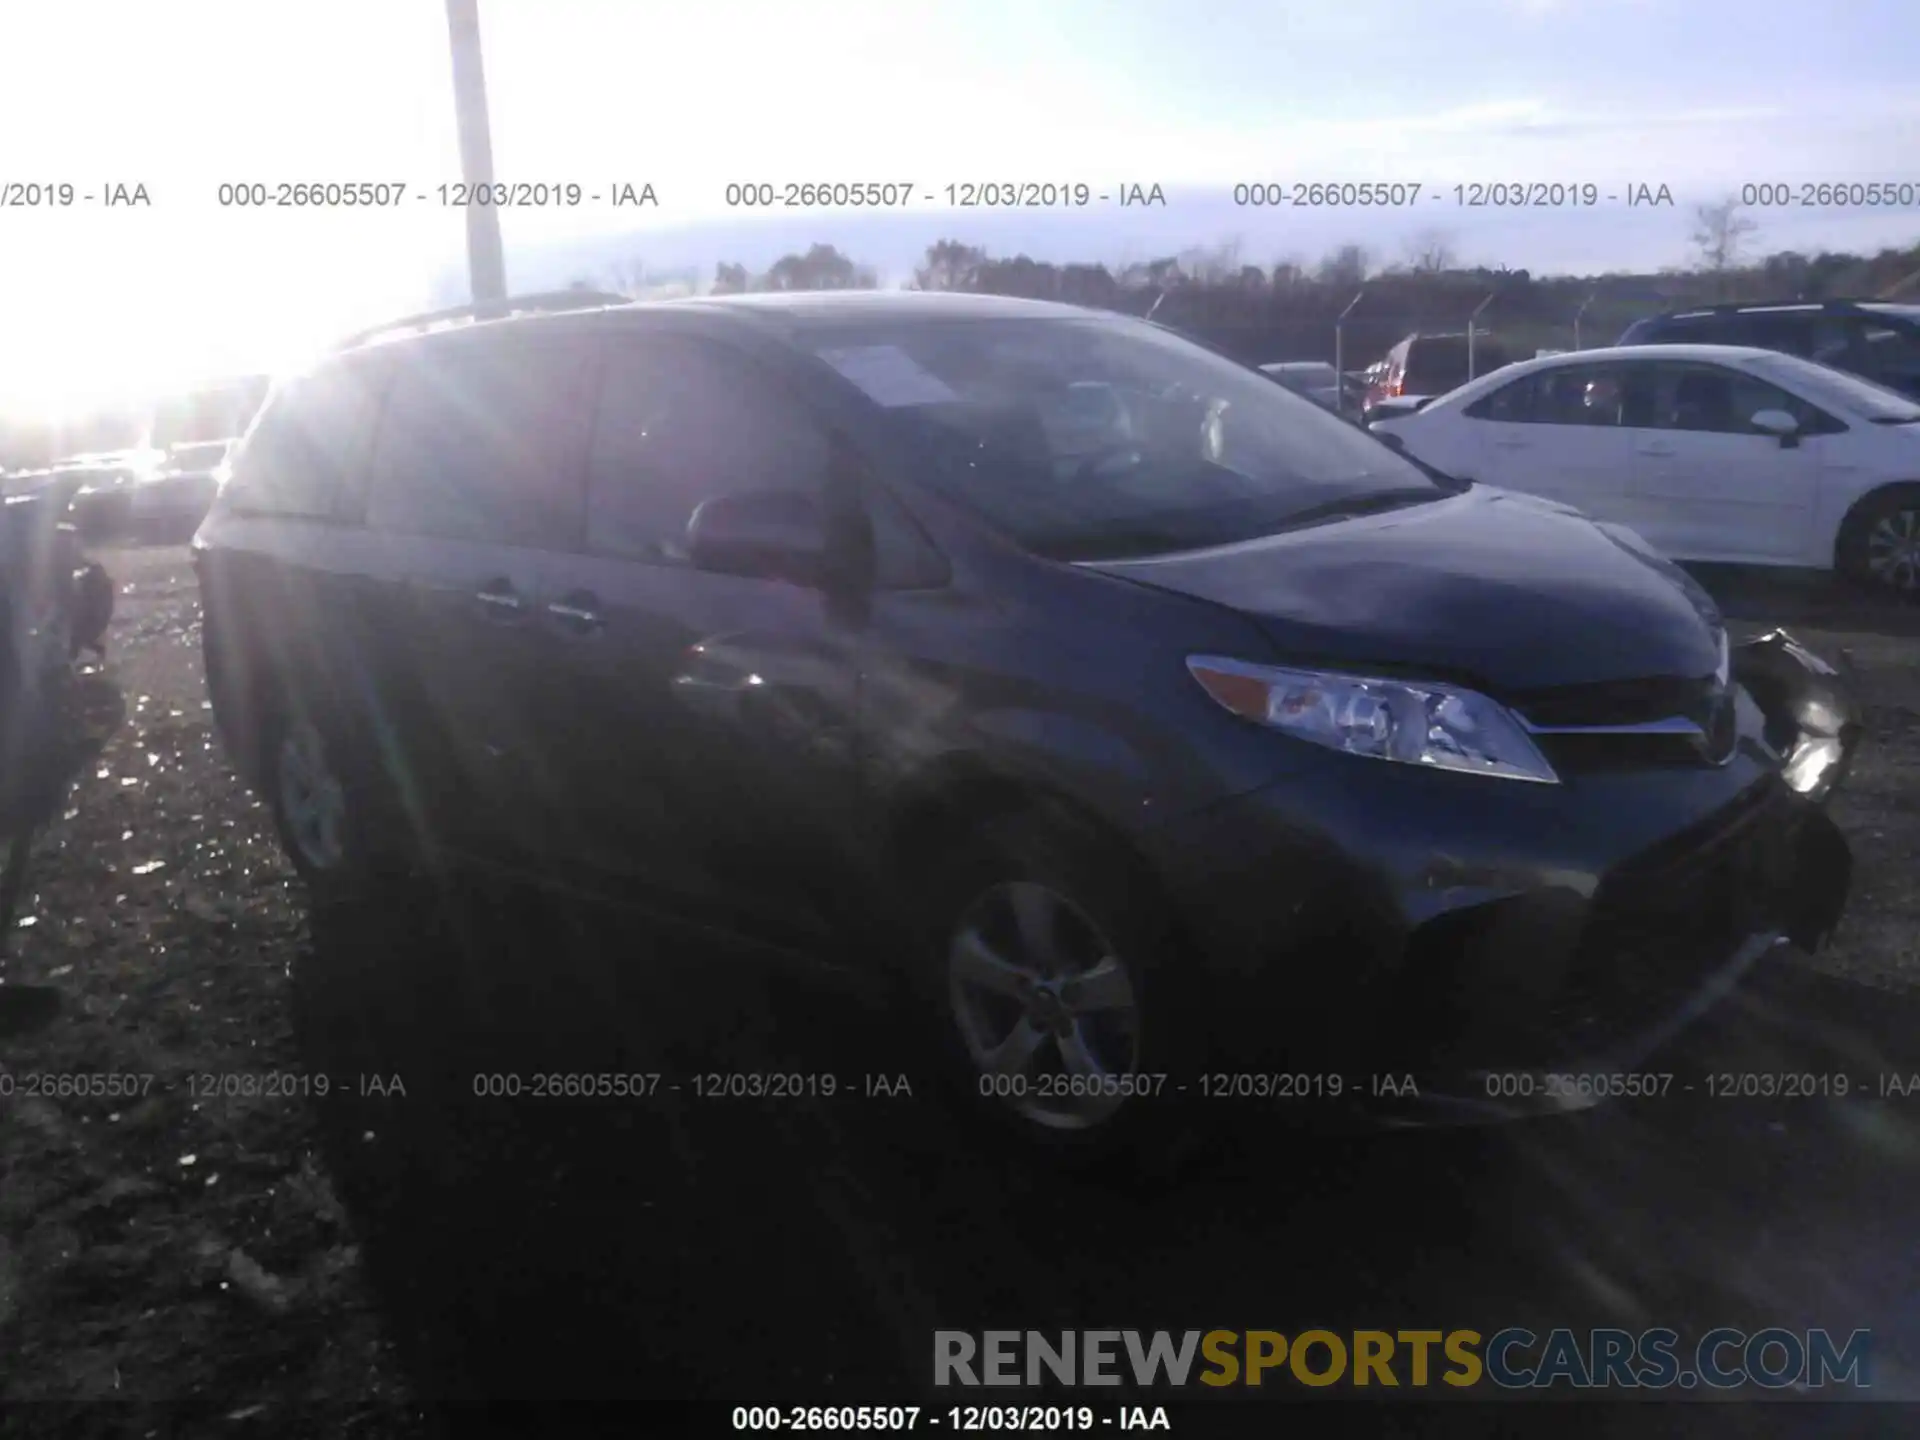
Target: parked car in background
(54, 602)
(754, 609)
(1434, 364)
(1315, 379)
(193, 434)
(1392, 409)
(101, 487)
(1712, 452)
(1875, 339)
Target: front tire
(1880, 543)
(1040, 969)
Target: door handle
(1513, 444)
(500, 600)
(1654, 448)
(578, 612)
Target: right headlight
(1414, 722)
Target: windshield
(1840, 390)
(206, 415)
(1097, 439)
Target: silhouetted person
(23, 1008)
(92, 610)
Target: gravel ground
(185, 1245)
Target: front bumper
(1368, 920)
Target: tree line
(1288, 309)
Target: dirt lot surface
(217, 1242)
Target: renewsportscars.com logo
(1510, 1359)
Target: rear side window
(483, 441)
(1665, 330)
(308, 447)
(1561, 395)
(680, 421)
(1796, 334)
(1440, 364)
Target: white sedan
(1712, 452)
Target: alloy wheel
(312, 799)
(1045, 1007)
(1893, 550)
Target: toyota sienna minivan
(1150, 723)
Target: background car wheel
(1880, 543)
(1039, 943)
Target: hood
(1506, 592)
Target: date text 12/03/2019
(458, 195)
(197, 1085)
(1470, 195)
(964, 1419)
(961, 195)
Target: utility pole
(486, 257)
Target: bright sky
(1703, 95)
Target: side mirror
(1778, 423)
(761, 535)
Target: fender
(1032, 751)
(1073, 755)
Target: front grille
(1620, 702)
(1581, 724)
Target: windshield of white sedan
(1101, 439)
(1840, 390)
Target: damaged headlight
(1807, 706)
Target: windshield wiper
(1346, 506)
(1896, 420)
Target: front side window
(1096, 439)
(1844, 393)
(679, 422)
(1708, 398)
(1866, 346)
(482, 441)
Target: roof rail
(543, 302)
(1734, 307)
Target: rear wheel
(322, 791)
(1880, 543)
(310, 799)
(366, 999)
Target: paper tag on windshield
(889, 375)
